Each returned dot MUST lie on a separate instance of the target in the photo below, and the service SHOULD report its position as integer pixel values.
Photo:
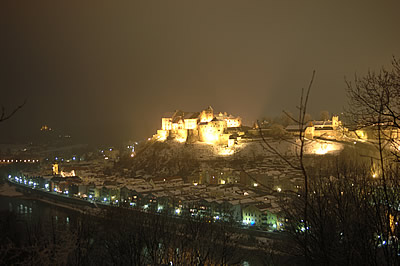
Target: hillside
(248, 161)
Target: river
(27, 212)
(33, 210)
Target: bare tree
(345, 214)
(324, 115)
(299, 164)
(4, 115)
(374, 102)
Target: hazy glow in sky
(108, 70)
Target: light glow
(210, 137)
(67, 174)
(226, 151)
(181, 139)
(325, 148)
(162, 135)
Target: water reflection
(33, 210)
(22, 209)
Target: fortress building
(326, 129)
(202, 126)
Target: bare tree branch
(4, 116)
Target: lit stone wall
(190, 123)
(233, 122)
(224, 139)
(166, 123)
(332, 134)
(162, 134)
(335, 122)
(206, 134)
(179, 134)
(212, 132)
(206, 115)
(179, 125)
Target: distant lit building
(262, 215)
(331, 129)
(55, 169)
(204, 126)
(327, 129)
(388, 131)
(45, 128)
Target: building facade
(204, 126)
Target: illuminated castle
(201, 126)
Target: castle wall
(209, 130)
(233, 122)
(212, 131)
(326, 133)
(179, 134)
(335, 121)
(166, 123)
(162, 134)
(224, 139)
(191, 123)
(179, 125)
(206, 115)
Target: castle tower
(207, 115)
(335, 121)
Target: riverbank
(50, 206)
(14, 190)
(7, 190)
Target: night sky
(107, 71)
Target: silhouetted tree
(299, 164)
(352, 214)
(5, 116)
(324, 115)
(374, 103)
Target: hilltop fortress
(202, 126)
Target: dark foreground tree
(297, 163)
(352, 200)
